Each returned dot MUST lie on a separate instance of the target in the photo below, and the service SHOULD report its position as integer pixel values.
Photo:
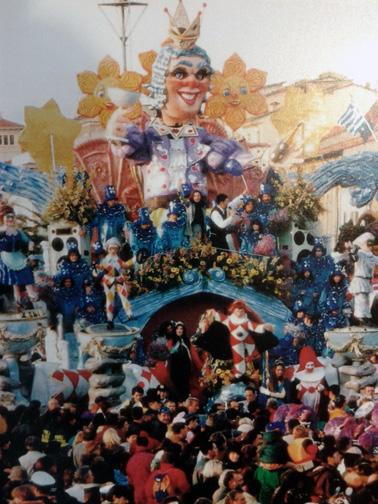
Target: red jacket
(138, 471)
(180, 485)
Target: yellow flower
(235, 92)
(95, 86)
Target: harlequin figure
(172, 150)
(91, 305)
(110, 217)
(243, 324)
(14, 267)
(143, 236)
(320, 264)
(114, 281)
(173, 229)
(305, 290)
(73, 266)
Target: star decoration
(235, 92)
(46, 126)
(308, 106)
(95, 87)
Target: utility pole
(123, 5)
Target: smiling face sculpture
(187, 83)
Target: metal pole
(123, 37)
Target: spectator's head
(137, 393)
(339, 401)
(192, 405)
(18, 473)
(212, 468)
(250, 394)
(22, 493)
(180, 430)
(46, 464)
(111, 438)
(221, 200)
(32, 443)
(235, 497)
(83, 475)
(120, 495)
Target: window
(11, 139)
(1, 140)
(5, 137)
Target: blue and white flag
(354, 122)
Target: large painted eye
(179, 73)
(226, 92)
(202, 74)
(243, 90)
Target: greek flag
(354, 122)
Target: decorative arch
(222, 293)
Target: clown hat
(110, 193)
(307, 354)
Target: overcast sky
(45, 43)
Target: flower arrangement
(166, 270)
(72, 203)
(299, 200)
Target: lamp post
(123, 5)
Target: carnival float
(111, 236)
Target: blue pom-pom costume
(143, 235)
(110, 218)
(14, 268)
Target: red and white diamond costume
(242, 327)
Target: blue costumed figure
(288, 346)
(250, 237)
(73, 266)
(266, 206)
(172, 149)
(245, 207)
(110, 218)
(305, 290)
(92, 305)
(143, 236)
(173, 229)
(313, 333)
(320, 264)
(333, 316)
(336, 289)
(298, 313)
(67, 299)
(14, 267)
